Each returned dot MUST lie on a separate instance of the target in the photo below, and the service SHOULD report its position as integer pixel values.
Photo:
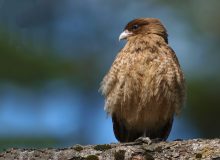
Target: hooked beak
(124, 35)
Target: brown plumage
(144, 87)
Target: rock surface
(187, 149)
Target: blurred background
(54, 54)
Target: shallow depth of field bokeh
(53, 55)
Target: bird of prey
(145, 85)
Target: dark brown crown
(147, 26)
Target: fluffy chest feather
(145, 84)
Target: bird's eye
(134, 27)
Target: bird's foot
(145, 140)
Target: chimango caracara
(144, 87)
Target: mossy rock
(92, 157)
(102, 147)
(120, 155)
(78, 148)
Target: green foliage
(28, 66)
(203, 105)
(22, 65)
(26, 142)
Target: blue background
(54, 54)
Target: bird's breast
(143, 87)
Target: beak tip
(124, 35)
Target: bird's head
(144, 26)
